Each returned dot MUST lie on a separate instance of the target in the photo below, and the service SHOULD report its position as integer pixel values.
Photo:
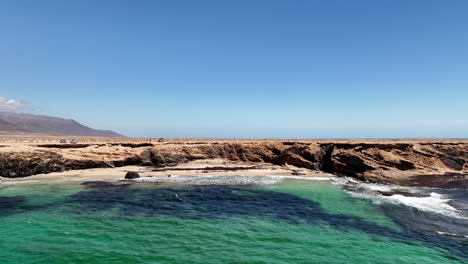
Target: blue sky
(263, 68)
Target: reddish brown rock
(430, 163)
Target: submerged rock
(105, 184)
(403, 193)
(132, 175)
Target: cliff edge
(423, 163)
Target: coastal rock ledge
(424, 163)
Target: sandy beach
(216, 167)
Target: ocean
(242, 219)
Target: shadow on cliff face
(218, 202)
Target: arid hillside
(29, 124)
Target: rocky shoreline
(430, 163)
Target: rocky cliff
(442, 164)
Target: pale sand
(216, 167)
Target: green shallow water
(295, 221)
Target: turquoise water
(292, 221)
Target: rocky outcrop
(399, 163)
(407, 163)
(392, 163)
(22, 164)
(132, 175)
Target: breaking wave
(423, 199)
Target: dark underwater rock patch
(10, 205)
(105, 184)
(215, 201)
(404, 193)
(222, 202)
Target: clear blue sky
(256, 68)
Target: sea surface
(230, 220)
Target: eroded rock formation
(410, 163)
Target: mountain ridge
(12, 123)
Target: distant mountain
(15, 123)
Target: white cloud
(10, 105)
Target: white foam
(451, 234)
(344, 181)
(307, 178)
(378, 187)
(216, 180)
(434, 203)
(227, 180)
